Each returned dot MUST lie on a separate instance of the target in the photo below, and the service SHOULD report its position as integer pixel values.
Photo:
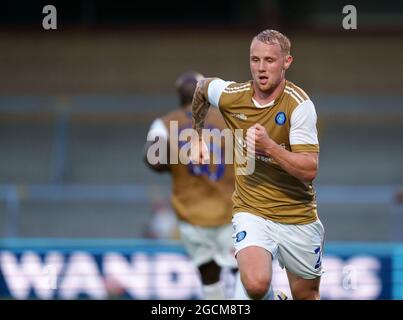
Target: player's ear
(287, 61)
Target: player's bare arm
(302, 165)
(200, 107)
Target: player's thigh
(301, 249)
(255, 264)
(224, 251)
(254, 247)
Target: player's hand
(199, 153)
(258, 140)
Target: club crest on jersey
(280, 118)
(240, 236)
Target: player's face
(267, 64)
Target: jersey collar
(271, 103)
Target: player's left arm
(303, 161)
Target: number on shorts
(319, 261)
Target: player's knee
(257, 285)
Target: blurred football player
(201, 195)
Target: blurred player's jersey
(290, 121)
(201, 193)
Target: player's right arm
(208, 92)
(200, 104)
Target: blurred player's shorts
(204, 244)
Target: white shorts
(298, 247)
(205, 244)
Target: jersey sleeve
(157, 129)
(215, 89)
(303, 132)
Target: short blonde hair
(274, 36)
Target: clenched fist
(199, 153)
(258, 141)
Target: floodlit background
(76, 104)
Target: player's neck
(265, 97)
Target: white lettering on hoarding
(82, 276)
(175, 277)
(160, 276)
(31, 273)
(133, 276)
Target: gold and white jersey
(290, 120)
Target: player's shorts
(205, 244)
(298, 247)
